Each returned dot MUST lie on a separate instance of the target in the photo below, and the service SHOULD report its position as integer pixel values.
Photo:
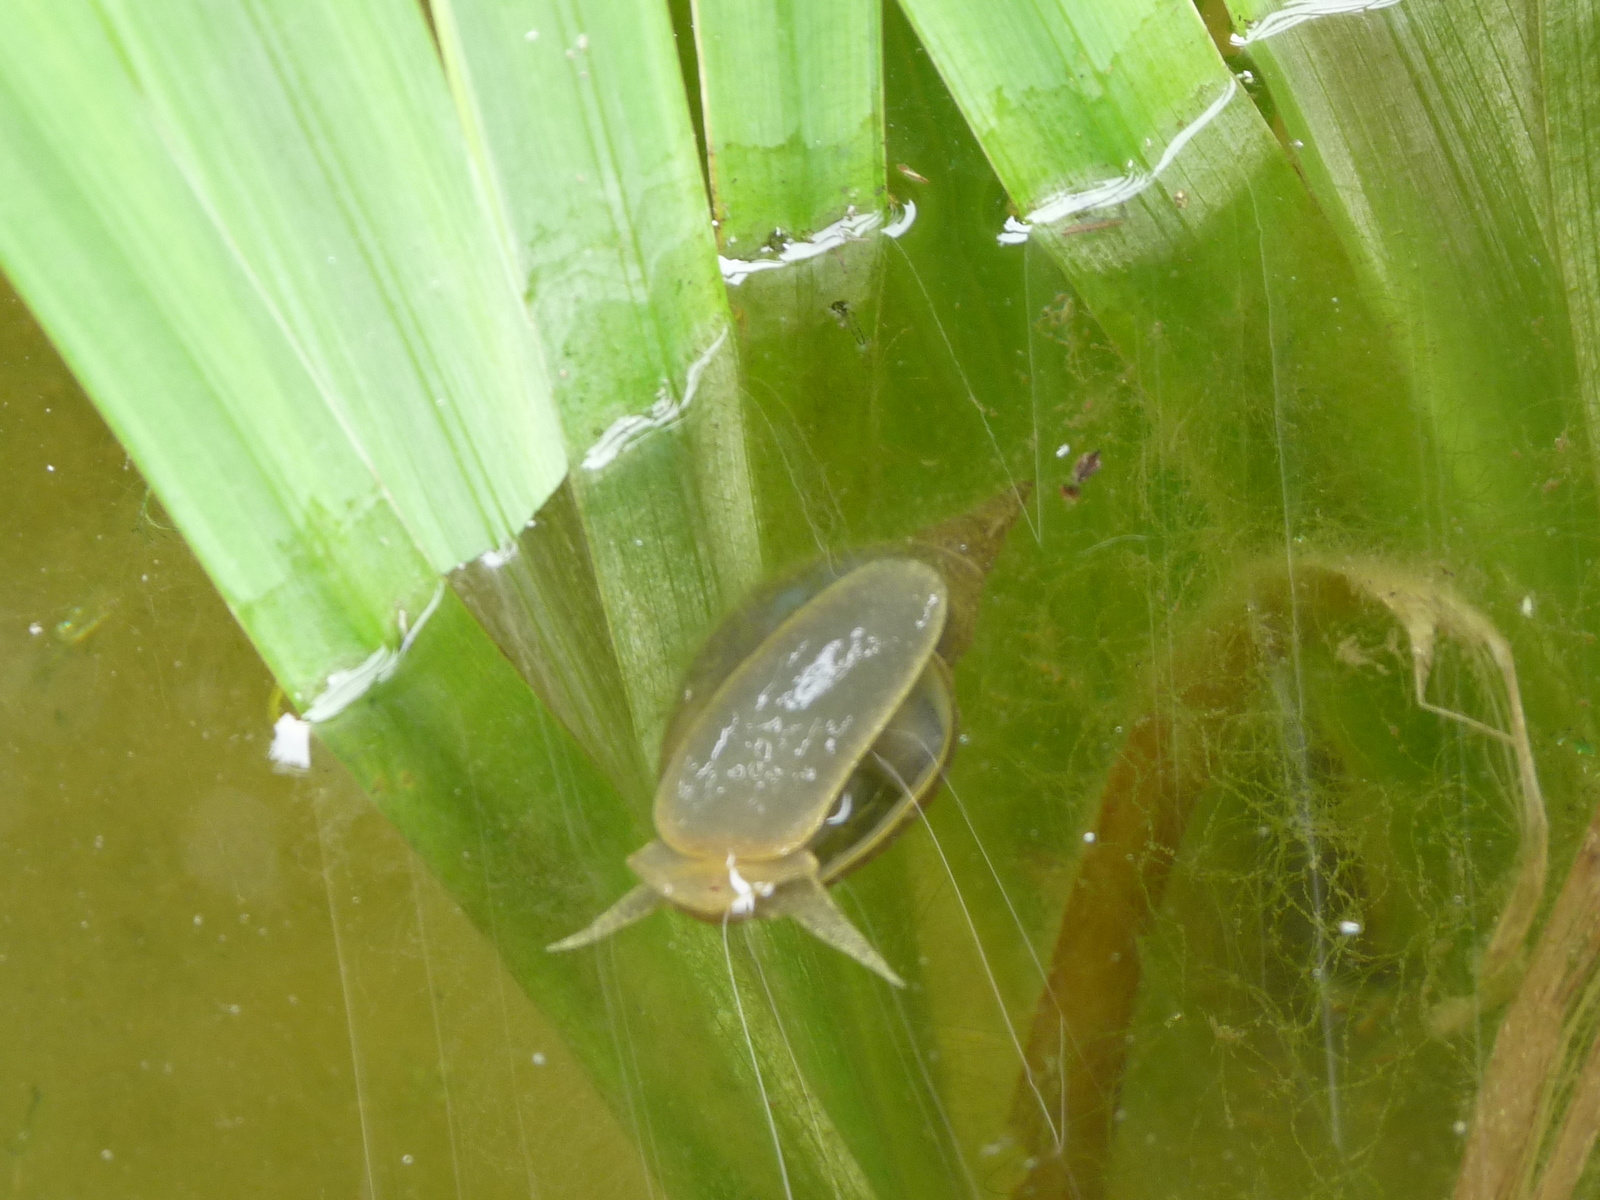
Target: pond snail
(814, 724)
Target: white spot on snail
(927, 611)
(722, 741)
(823, 672)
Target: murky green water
(217, 980)
(1204, 911)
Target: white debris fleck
(1089, 838)
(531, 36)
(291, 745)
(499, 556)
(538, 1058)
(1527, 605)
(1349, 928)
(36, 629)
(1014, 232)
(1063, 450)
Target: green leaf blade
(323, 146)
(793, 100)
(186, 362)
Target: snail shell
(813, 724)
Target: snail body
(812, 726)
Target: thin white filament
(966, 385)
(931, 1092)
(794, 1060)
(357, 1066)
(755, 1063)
(1293, 709)
(438, 1029)
(1027, 942)
(994, 984)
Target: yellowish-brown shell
(764, 763)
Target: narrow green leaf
(146, 296)
(321, 141)
(579, 125)
(1064, 98)
(1445, 206)
(580, 128)
(792, 106)
(793, 98)
(1569, 60)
